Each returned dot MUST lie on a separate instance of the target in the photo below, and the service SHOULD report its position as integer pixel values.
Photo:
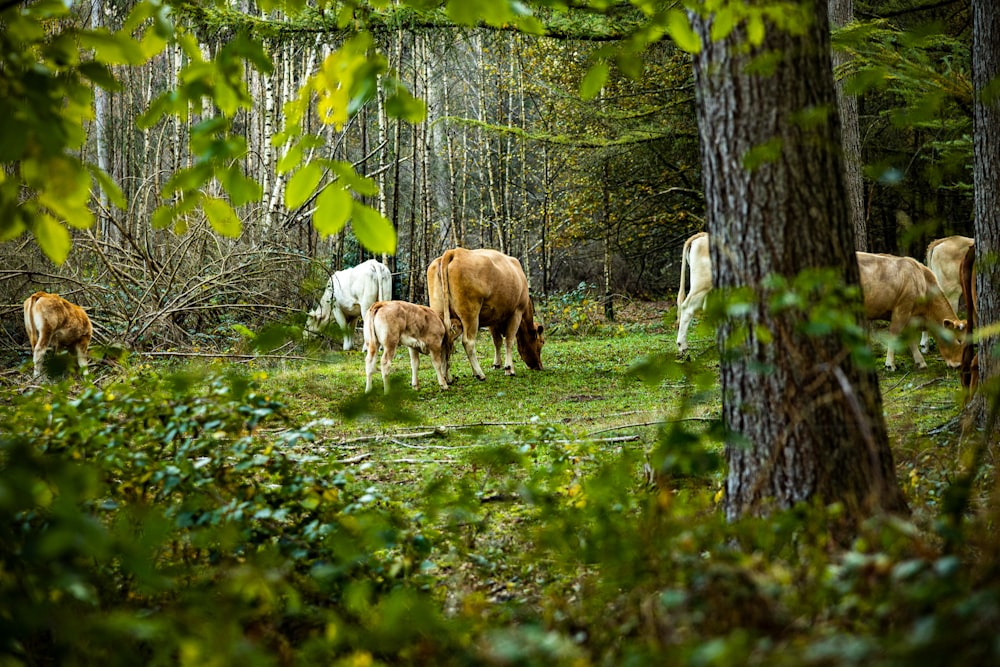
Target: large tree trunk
(986, 186)
(806, 423)
(842, 13)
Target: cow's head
(317, 319)
(529, 344)
(951, 341)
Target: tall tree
(805, 419)
(842, 13)
(986, 184)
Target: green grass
(520, 503)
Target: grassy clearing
(518, 514)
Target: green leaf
(222, 217)
(52, 238)
(373, 230)
(594, 80)
(333, 208)
(755, 29)
(101, 75)
(723, 23)
(680, 30)
(112, 49)
(108, 186)
(242, 189)
(302, 185)
(402, 104)
(163, 217)
(768, 152)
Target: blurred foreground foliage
(183, 518)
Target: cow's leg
(497, 340)
(81, 354)
(438, 361)
(918, 359)
(694, 302)
(342, 323)
(925, 341)
(371, 352)
(512, 326)
(469, 332)
(414, 367)
(41, 347)
(388, 352)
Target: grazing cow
(348, 295)
(944, 258)
(901, 289)
(897, 289)
(52, 321)
(391, 323)
(970, 358)
(486, 288)
(695, 255)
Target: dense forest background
(600, 192)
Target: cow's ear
(955, 325)
(539, 329)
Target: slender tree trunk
(842, 13)
(609, 309)
(986, 187)
(805, 421)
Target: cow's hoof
(507, 370)
(481, 378)
(497, 366)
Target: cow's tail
(29, 319)
(929, 255)
(445, 288)
(368, 323)
(384, 280)
(684, 261)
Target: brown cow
(486, 288)
(52, 321)
(900, 290)
(391, 323)
(944, 257)
(970, 358)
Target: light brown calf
(901, 290)
(391, 323)
(52, 321)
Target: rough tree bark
(806, 422)
(842, 13)
(986, 187)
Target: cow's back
(480, 281)
(887, 281)
(64, 322)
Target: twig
(229, 355)
(354, 459)
(659, 422)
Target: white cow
(696, 256)
(348, 295)
(944, 258)
(897, 289)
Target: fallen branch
(229, 355)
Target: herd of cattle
(469, 289)
(899, 290)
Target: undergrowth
(271, 513)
